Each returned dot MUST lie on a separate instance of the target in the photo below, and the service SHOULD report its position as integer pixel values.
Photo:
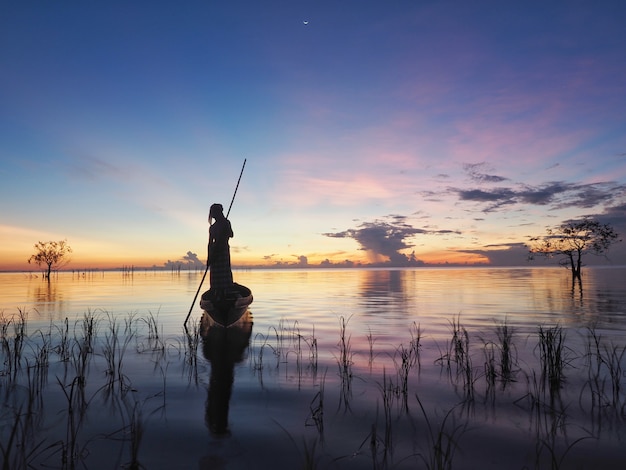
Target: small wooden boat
(227, 308)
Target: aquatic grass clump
(311, 342)
(508, 352)
(344, 361)
(316, 410)
(386, 390)
(613, 359)
(490, 368)
(114, 349)
(19, 445)
(370, 341)
(63, 348)
(415, 346)
(308, 455)
(552, 357)
(12, 344)
(296, 343)
(457, 349)
(190, 347)
(605, 371)
(404, 360)
(41, 352)
(154, 339)
(265, 343)
(500, 358)
(442, 440)
(458, 353)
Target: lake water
(329, 369)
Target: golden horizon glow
(85, 262)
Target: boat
(229, 307)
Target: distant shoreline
(135, 270)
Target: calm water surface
(288, 385)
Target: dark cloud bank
(387, 238)
(384, 240)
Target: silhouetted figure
(223, 348)
(219, 251)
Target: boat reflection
(223, 347)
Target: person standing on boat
(219, 251)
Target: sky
(374, 132)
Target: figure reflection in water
(223, 348)
(219, 251)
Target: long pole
(207, 259)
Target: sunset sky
(453, 130)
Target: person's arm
(210, 247)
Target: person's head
(216, 211)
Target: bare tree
(572, 240)
(52, 255)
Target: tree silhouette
(572, 240)
(52, 255)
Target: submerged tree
(52, 255)
(572, 240)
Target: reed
(154, 339)
(612, 359)
(37, 379)
(459, 344)
(556, 458)
(263, 340)
(500, 359)
(490, 368)
(152, 323)
(457, 349)
(508, 352)
(72, 452)
(605, 371)
(442, 440)
(297, 340)
(551, 436)
(135, 430)
(281, 335)
(19, 447)
(114, 349)
(387, 402)
(345, 348)
(89, 329)
(191, 344)
(415, 345)
(344, 361)
(458, 353)
(279, 348)
(63, 349)
(10, 444)
(534, 396)
(42, 356)
(308, 455)
(552, 356)
(403, 360)
(370, 341)
(13, 344)
(313, 353)
(316, 410)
